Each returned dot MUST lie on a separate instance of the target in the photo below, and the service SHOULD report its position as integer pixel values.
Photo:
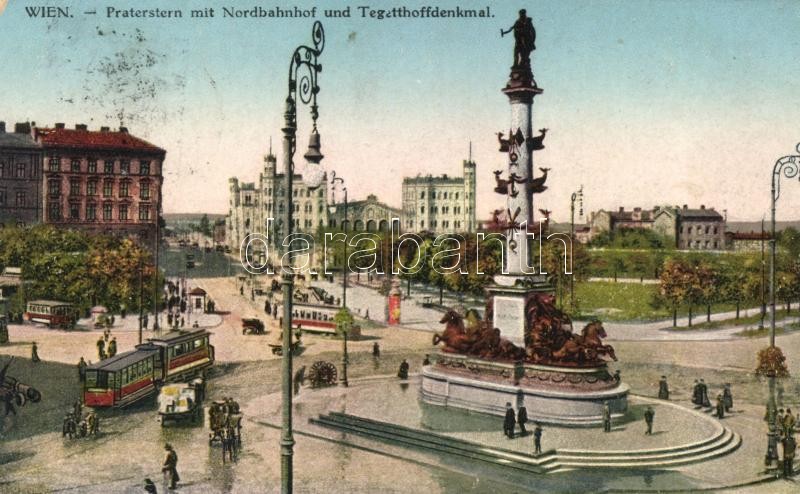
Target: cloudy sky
(661, 102)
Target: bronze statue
(524, 40)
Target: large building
(20, 177)
(440, 204)
(252, 204)
(100, 181)
(368, 215)
(696, 229)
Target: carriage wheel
(322, 374)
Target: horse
(586, 347)
(454, 336)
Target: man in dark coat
(704, 401)
(663, 389)
(789, 447)
(727, 397)
(606, 417)
(171, 466)
(697, 394)
(537, 439)
(522, 419)
(649, 415)
(82, 369)
(376, 350)
(403, 372)
(720, 407)
(509, 422)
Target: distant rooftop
(103, 139)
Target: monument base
(552, 395)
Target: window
(54, 211)
(108, 167)
(108, 187)
(20, 170)
(456, 195)
(144, 213)
(422, 209)
(124, 167)
(107, 211)
(2, 197)
(708, 229)
(144, 190)
(74, 211)
(54, 186)
(91, 188)
(2, 167)
(74, 187)
(91, 212)
(55, 164)
(715, 232)
(144, 168)
(92, 167)
(75, 165)
(123, 188)
(20, 198)
(689, 230)
(422, 195)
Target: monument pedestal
(509, 297)
(552, 395)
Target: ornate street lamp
(575, 196)
(342, 324)
(789, 167)
(305, 88)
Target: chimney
(81, 127)
(59, 125)
(104, 129)
(124, 130)
(685, 206)
(637, 209)
(22, 128)
(2, 127)
(702, 206)
(621, 209)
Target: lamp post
(344, 328)
(304, 64)
(789, 167)
(763, 279)
(575, 196)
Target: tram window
(125, 376)
(198, 343)
(91, 378)
(102, 380)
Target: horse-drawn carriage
(225, 422)
(277, 345)
(253, 326)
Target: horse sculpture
(480, 340)
(588, 347)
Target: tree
(674, 285)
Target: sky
(647, 102)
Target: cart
(179, 402)
(277, 345)
(253, 326)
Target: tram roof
(49, 303)
(174, 336)
(122, 360)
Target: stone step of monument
(720, 434)
(719, 443)
(729, 443)
(439, 443)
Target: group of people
(225, 422)
(76, 425)
(106, 345)
(724, 402)
(786, 422)
(521, 417)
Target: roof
(748, 235)
(14, 140)
(197, 291)
(12, 271)
(699, 214)
(122, 360)
(6, 280)
(173, 336)
(51, 303)
(100, 140)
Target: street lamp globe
(313, 175)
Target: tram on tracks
(131, 376)
(53, 313)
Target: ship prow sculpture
(524, 350)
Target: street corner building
(102, 181)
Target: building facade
(102, 181)
(700, 229)
(252, 204)
(368, 215)
(20, 177)
(440, 204)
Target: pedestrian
(112, 347)
(522, 419)
(68, 426)
(145, 320)
(403, 372)
(77, 409)
(727, 397)
(170, 466)
(275, 311)
(663, 389)
(720, 407)
(789, 422)
(778, 420)
(704, 394)
(35, 353)
(183, 321)
(427, 360)
(8, 400)
(376, 350)
(169, 319)
(196, 324)
(649, 415)
(606, 417)
(82, 369)
(241, 290)
(789, 448)
(537, 439)
(91, 421)
(150, 487)
(101, 348)
(267, 307)
(106, 335)
(509, 422)
(696, 398)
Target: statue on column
(524, 40)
